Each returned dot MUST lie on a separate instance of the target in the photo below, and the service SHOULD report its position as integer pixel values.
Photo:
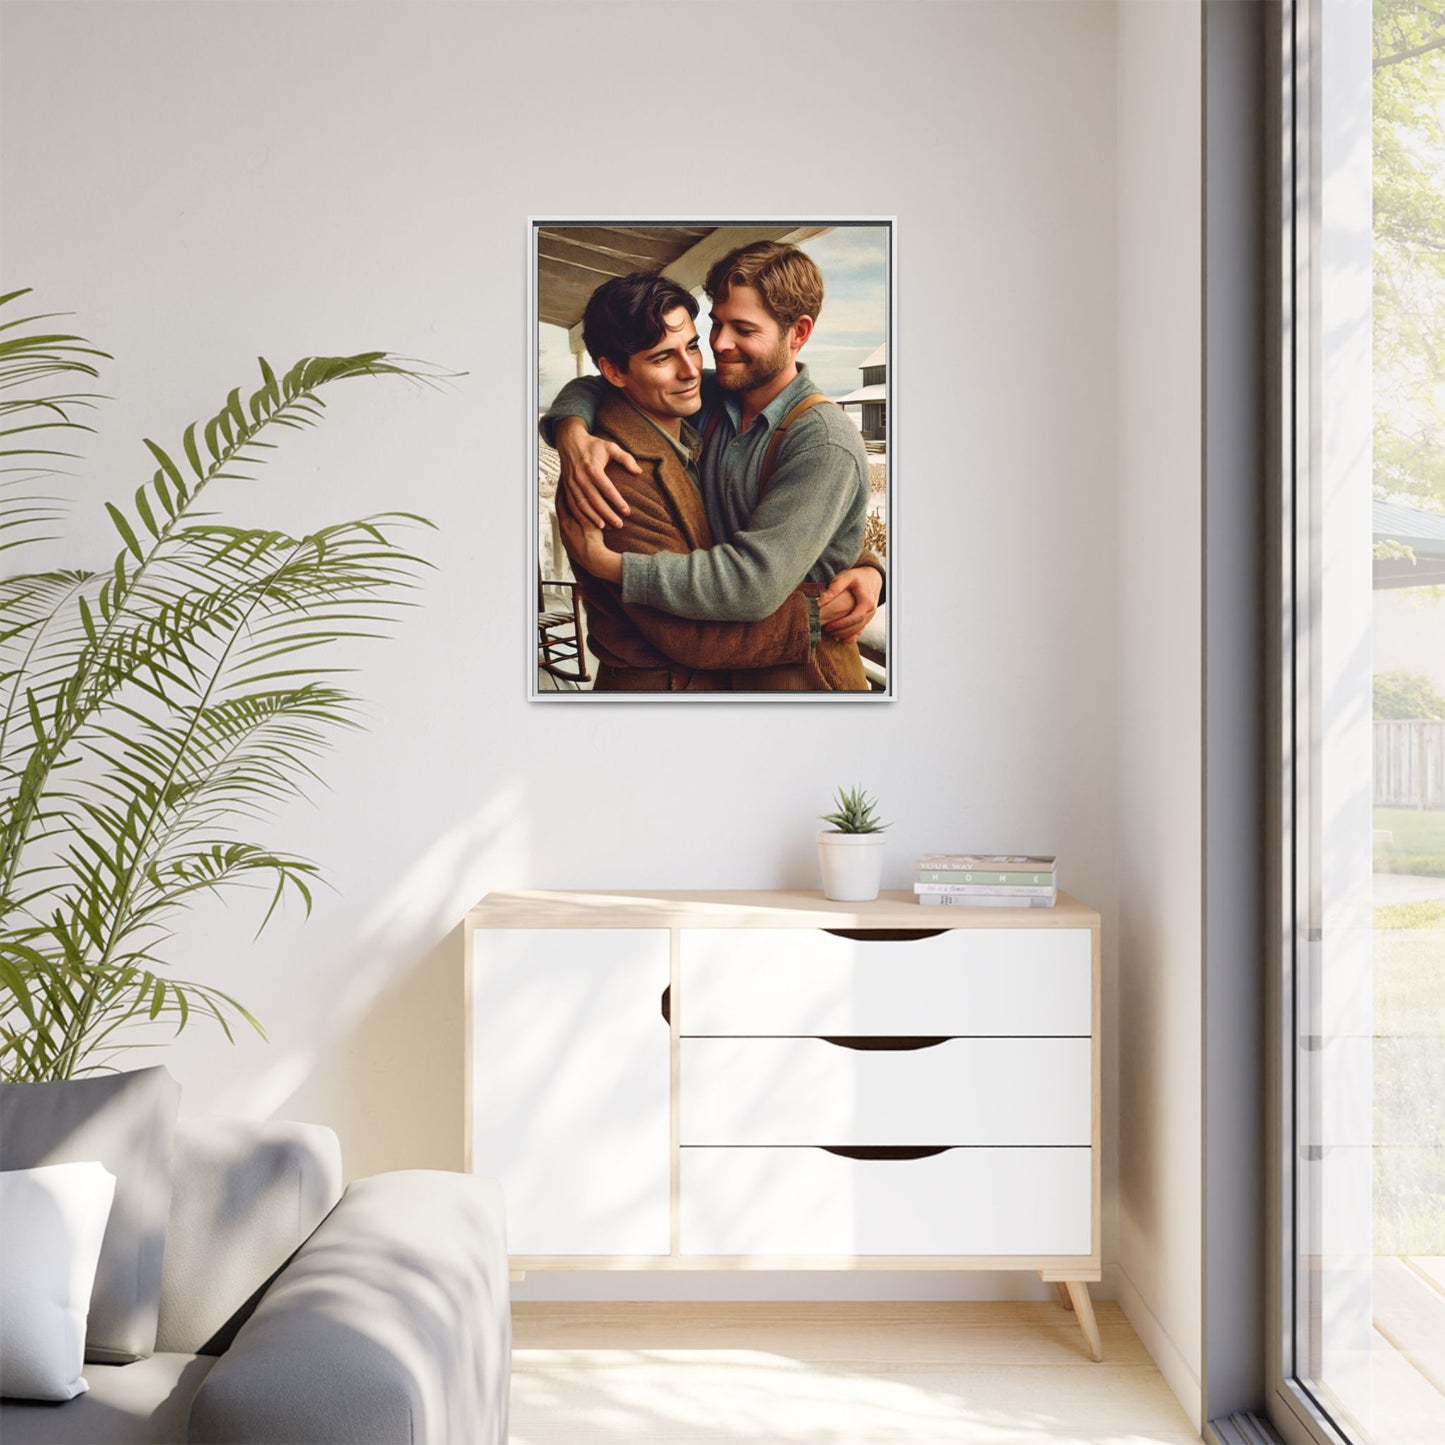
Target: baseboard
(751, 1285)
(1177, 1373)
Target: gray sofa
(292, 1312)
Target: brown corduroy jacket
(642, 649)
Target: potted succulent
(851, 851)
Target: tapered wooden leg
(1084, 1310)
(1063, 1290)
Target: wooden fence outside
(1409, 764)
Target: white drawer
(800, 1202)
(961, 1091)
(962, 981)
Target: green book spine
(990, 890)
(1005, 880)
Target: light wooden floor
(833, 1374)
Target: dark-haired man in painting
(640, 333)
(783, 475)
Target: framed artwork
(713, 440)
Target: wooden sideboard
(773, 1081)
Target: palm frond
(32, 425)
(153, 710)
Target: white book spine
(990, 900)
(993, 890)
(990, 862)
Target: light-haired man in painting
(783, 472)
(640, 333)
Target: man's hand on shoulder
(848, 603)
(586, 544)
(592, 493)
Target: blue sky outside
(854, 263)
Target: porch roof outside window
(1422, 532)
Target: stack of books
(987, 880)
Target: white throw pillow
(52, 1220)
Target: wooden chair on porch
(559, 631)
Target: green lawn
(1428, 913)
(1417, 841)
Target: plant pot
(852, 865)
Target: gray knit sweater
(807, 527)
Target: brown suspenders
(770, 456)
(710, 428)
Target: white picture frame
(850, 356)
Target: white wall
(1160, 739)
(201, 183)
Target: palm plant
(149, 711)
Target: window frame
(1293, 607)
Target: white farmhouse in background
(871, 397)
(1409, 591)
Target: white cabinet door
(570, 1086)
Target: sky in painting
(854, 321)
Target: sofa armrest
(392, 1324)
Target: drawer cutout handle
(890, 1045)
(885, 1151)
(885, 935)
(667, 1005)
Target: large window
(1362, 1328)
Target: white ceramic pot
(852, 865)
